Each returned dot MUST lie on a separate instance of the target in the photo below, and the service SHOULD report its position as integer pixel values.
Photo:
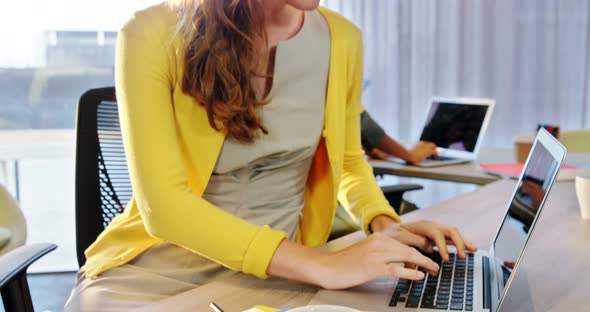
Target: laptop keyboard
(451, 289)
(439, 158)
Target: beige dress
(262, 182)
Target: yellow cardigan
(172, 150)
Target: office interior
(531, 57)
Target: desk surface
(466, 172)
(554, 276)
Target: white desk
(554, 275)
(467, 172)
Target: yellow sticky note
(262, 309)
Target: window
(51, 52)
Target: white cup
(583, 192)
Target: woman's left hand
(424, 235)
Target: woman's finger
(440, 241)
(408, 265)
(410, 256)
(469, 245)
(417, 241)
(424, 262)
(395, 270)
(458, 241)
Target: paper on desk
(264, 309)
(513, 170)
(267, 309)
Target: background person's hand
(424, 235)
(377, 256)
(421, 151)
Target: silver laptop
(481, 281)
(457, 127)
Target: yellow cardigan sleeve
(359, 190)
(170, 210)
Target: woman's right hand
(377, 256)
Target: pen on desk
(215, 308)
(493, 174)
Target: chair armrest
(397, 188)
(395, 193)
(17, 261)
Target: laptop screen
(454, 126)
(531, 191)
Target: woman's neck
(281, 20)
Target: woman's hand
(424, 235)
(377, 256)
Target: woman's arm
(359, 191)
(377, 256)
(170, 210)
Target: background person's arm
(418, 153)
(378, 144)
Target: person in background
(378, 144)
(241, 126)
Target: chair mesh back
(103, 188)
(115, 186)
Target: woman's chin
(305, 5)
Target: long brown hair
(222, 41)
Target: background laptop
(457, 127)
(480, 282)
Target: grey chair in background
(13, 228)
(15, 256)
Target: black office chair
(13, 275)
(103, 188)
(395, 193)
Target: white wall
(530, 55)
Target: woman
(241, 126)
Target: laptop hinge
(487, 286)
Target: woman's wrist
(381, 222)
(297, 262)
